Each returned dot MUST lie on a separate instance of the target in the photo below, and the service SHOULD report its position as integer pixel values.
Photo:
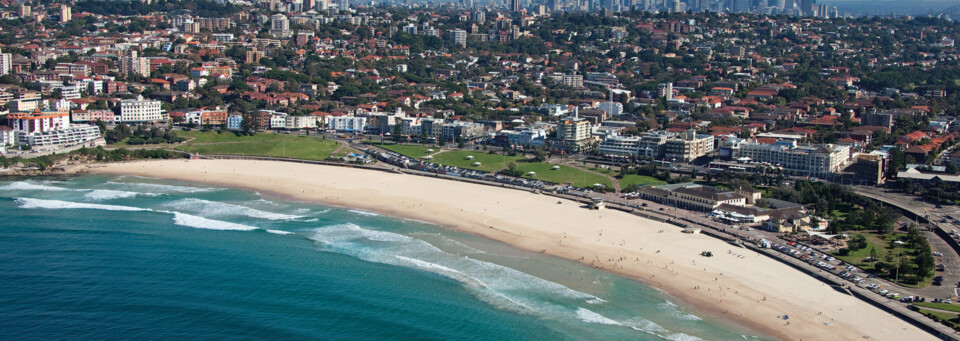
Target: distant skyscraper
(806, 7)
(343, 5)
(782, 4)
(515, 6)
(740, 6)
(25, 10)
(479, 16)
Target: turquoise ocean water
(101, 257)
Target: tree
(397, 130)
(873, 253)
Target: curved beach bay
(751, 291)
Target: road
(921, 210)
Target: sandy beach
(751, 291)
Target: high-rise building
(515, 6)
(6, 63)
(343, 5)
(132, 63)
(25, 10)
(665, 90)
(410, 29)
(479, 16)
(66, 14)
(806, 7)
(458, 37)
(740, 6)
(279, 22)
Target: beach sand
(751, 291)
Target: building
(343, 5)
(300, 122)
(280, 25)
(693, 196)
(132, 64)
(7, 138)
(6, 63)
(573, 129)
(66, 13)
(50, 128)
(885, 120)
(461, 131)
(871, 168)
(515, 6)
(25, 10)
(665, 90)
(814, 160)
(347, 124)
(573, 80)
(620, 146)
(140, 110)
(235, 122)
(688, 146)
(254, 56)
(458, 37)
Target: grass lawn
(941, 306)
(564, 175)
(488, 162)
(409, 150)
(292, 146)
(639, 180)
(883, 247)
(874, 241)
(944, 317)
(606, 171)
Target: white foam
(498, 285)
(188, 220)
(678, 312)
(587, 315)
(216, 208)
(596, 301)
(109, 194)
(280, 232)
(682, 337)
(161, 188)
(31, 186)
(59, 204)
(364, 213)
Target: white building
(49, 128)
(301, 122)
(816, 160)
(6, 63)
(347, 123)
(140, 110)
(620, 146)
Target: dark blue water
(130, 258)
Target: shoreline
(748, 292)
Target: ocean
(108, 257)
